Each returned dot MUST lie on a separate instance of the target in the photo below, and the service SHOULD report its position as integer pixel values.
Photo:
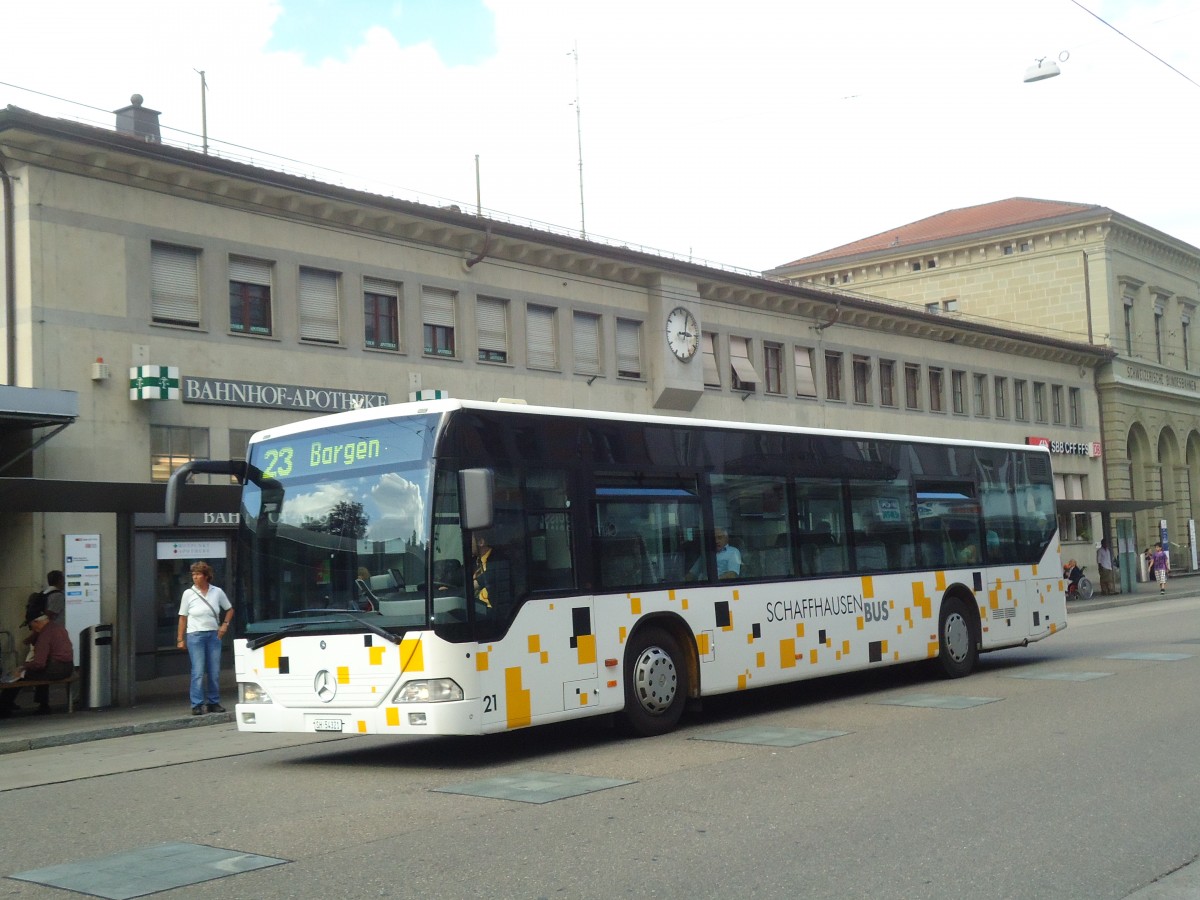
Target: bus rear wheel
(958, 650)
(655, 683)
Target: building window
(319, 319)
(239, 446)
(862, 379)
(585, 339)
(1128, 326)
(806, 384)
(958, 392)
(381, 314)
(1056, 399)
(629, 348)
(833, 375)
(1158, 319)
(437, 317)
(773, 368)
(1020, 389)
(979, 398)
(712, 373)
(175, 285)
(937, 390)
(173, 445)
(887, 382)
(491, 329)
(1073, 526)
(1074, 401)
(1185, 329)
(744, 377)
(541, 348)
(249, 295)
(1000, 391)
(912, 386)
(1039, 402)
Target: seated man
(729, 558)
(53, 660)
(492, 581)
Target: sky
(743, 134)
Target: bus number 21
(489, 703)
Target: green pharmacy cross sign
(154, 383)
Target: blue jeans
(204, 651)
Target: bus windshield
(335, 527)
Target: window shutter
(586, 342)
(250, 271)
(437, 307)
(806, 385)
(539, 337)
(739, 361)
(629, 348)
(319, 306)
(378, 286)
(175, 284)
(712, 375)
(491, 322)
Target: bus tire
(958, 649)
(655, 683)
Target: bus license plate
(327, 724)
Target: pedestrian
(56, 600)
(200, 615)
(1104, 562)
(1160, 563)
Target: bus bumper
(457, 717)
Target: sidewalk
(163, 703)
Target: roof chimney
(139, 120)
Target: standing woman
(200, 616)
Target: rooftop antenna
(579, 137)
(203, 109)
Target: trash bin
(95, 665)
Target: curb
(98, 734)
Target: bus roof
(439, 407)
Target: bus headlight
(434, 690)
(249, 692)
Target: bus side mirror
(476, 492)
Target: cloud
(749, 133)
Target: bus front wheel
(958, 651)
(655, 683)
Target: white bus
(632, 563)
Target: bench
(68, 683)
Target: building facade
(189, 301)
(1080, 272)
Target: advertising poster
(81, 570)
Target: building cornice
(93, 152)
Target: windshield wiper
(343, 616)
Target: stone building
(1079, 272)
(174, 302)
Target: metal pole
(579, 137)
(203, 111)
(478, 193)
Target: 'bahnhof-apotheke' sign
(226, 392)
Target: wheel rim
(958, 637)
(655, 680)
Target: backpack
(35, 606)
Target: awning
(51, 495)
(22, 407)
(1109, 506)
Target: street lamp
(1044, 70)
